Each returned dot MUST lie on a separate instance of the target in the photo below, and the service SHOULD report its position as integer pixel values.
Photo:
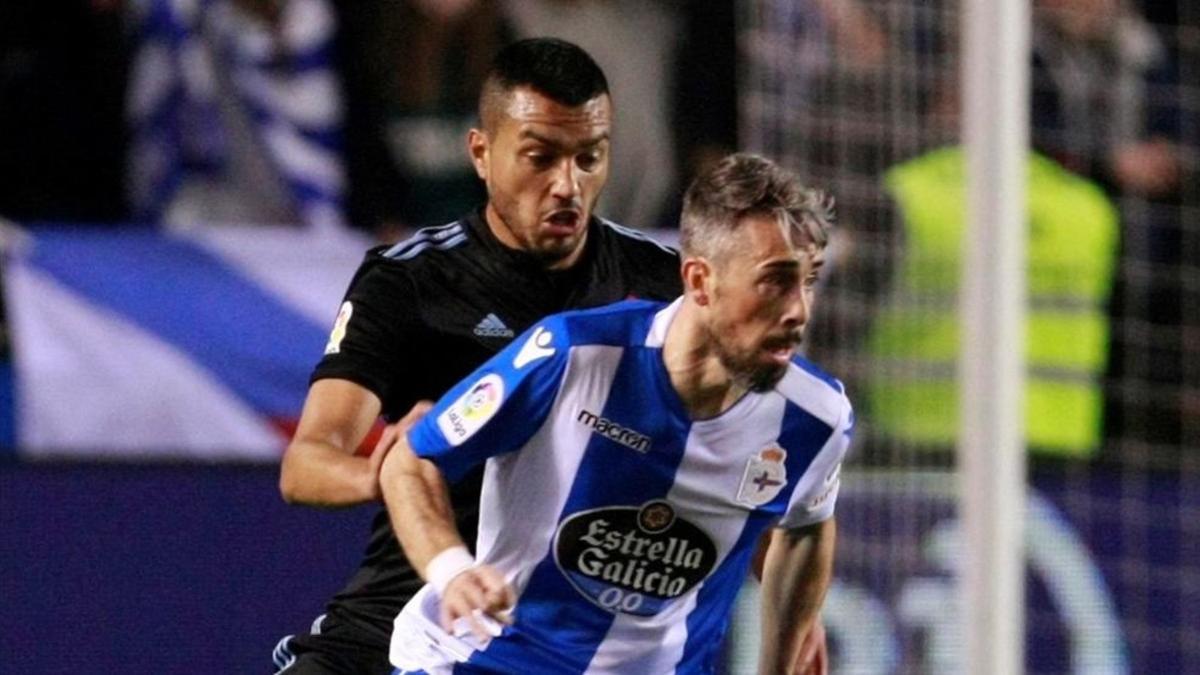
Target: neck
(702, 383)
(504, 234)
(499, 228)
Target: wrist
(446, 565)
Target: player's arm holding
(797, 567)
(796, 575)
(493, 411)
(320, 466)
(418, 503)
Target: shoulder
(405, 264)
(426, 241)
(631, 239)
(638, 246)
(427, 250)
(621, 324)
(822, 395)
(650, 267)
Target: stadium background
(188, 185)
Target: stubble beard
(744, 371)
(548, 252)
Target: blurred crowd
(326, 112)
(334, 112)
(871, 92)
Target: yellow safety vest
(912, 389)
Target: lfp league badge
(764, 477)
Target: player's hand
(479, 597)
(814, 652)
(394, 432)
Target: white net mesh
(861, 97)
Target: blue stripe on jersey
(596, 326)
(706, 627)
(802, 435)
(552, 618)
(812, 369)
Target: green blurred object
(1073, 238)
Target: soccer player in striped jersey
(634, 456)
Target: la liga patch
(472, 410)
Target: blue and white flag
(202, 65)
(141, 343)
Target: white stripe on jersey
(662, 321)
(813, 394)
(524, 492)
(645, 644)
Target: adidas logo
(492, 326)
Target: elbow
(290, 487)
(287, 489)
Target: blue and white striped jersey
(625, 527)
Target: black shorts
(331, 648)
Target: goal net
(862, 97)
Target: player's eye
(589, 161)
(539, 158)
(777, 283)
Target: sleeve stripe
(636, 234)
(425, 237)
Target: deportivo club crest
(764, 477)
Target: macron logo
(536, 347)
(614, 432)
(492, 326)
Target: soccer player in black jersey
(421, 315)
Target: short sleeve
(814, 498)
(378, 317)
(497, 408)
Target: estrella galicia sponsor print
(633, 559)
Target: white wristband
(447, 565)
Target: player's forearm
(418, 502)
(796, 574)
(318, 474)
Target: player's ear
(697, 280)
(477, 146)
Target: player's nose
(565, 185)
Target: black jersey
(425, 313)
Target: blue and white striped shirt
(625, 527)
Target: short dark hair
(744, 184)
(558, 69)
